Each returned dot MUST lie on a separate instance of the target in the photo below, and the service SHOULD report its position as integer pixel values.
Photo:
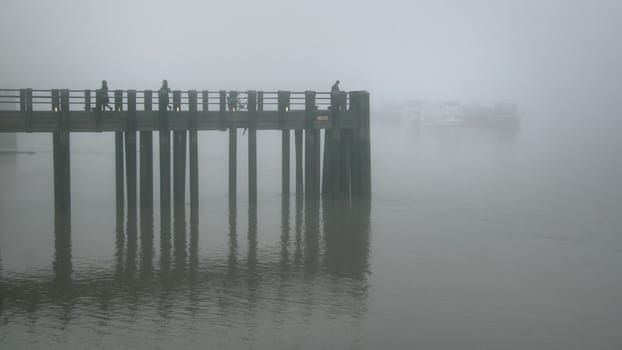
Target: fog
(476, 235)
(556, 52)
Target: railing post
(99, 109)
(28, 110)
(260, 101)
(87, 100)
(118, 100)
(233, 104)
(22, 101)
(204, 100)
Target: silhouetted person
(335, 88)
(104, 96)
(232, 100)
(163, 94)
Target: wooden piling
(310, 140)
(119, 172)
(283, 108)
(61, 154)
(165, 154)
(146, 160)
(179, 158)
(252, 147)
(299, 176)
(130, 152)
(194, 148)
(233, 161)
(359, 146)
(333, 181)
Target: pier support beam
(130, 153)
(233, 161)
(146, 160)
(179, 159)
(335, 179)
(194, 147)
(312, 148)
(61, 151)
(299, 176)
(283, 107)
(360, 146)
(119, 171)
(165, 154)
(179, 168)
(252, 148)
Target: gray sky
(550, 50)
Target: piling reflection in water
(336, 258)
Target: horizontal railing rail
(211, 100)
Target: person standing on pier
(163, 94)
(104, 96)
(335, 88)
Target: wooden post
(233, 161)
(194, 148)
(22, 101)
(118, 100)
(130, 152)
(99, 109)
(179, 158)
(28, 111)
(56, 108)
(119, 183)
(333, 179)
(146, 160)
(252, 147)
(364, 130)
(205, 100)
(165, 155)
(342, 164)
(61, 151)
(283, 108)
(87, 100)
(260, 101)
(233, 143)
(299, 176)
(310, 115)
(222, 94)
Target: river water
(473, 239)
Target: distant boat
(454, 114)
(500, 115)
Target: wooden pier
(343, 170)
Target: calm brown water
(474, 239)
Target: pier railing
(86, 100)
